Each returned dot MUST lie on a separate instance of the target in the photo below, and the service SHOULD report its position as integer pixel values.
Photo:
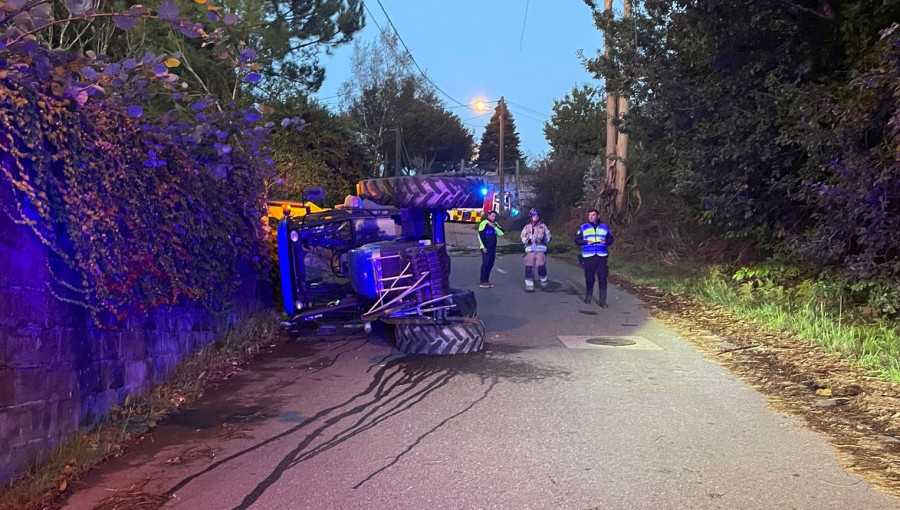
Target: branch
(187, 65)
(310, 43)
(78, 34)
(825, 11)
(736, 349)
(73, 18)
(25, 7)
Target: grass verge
(874, 344)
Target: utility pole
(397, 145)
(517, 177)
(500, 157)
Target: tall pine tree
(488, 151)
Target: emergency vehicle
(491, 203)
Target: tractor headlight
(295, 236)
(298, 305)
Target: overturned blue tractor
(381, 257)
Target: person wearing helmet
(488, 230)
(535, 237)
(595, 238)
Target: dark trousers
(596, 267)
(487, 263)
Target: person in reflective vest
(488, 230)
(595, 238)
(535, 237)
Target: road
(541, 419)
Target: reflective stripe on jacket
(535, 237)
(487, 235)
(592, 234)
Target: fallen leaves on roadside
(862, 412)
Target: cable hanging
(429, 80)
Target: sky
(523, 50)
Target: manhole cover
(615, 342)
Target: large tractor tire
(457, 336)
(424, 192)
(466, 305)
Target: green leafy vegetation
(398, 113)
(763, 150)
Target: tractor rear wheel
(425, 191)
(459, 335)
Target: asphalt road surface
(544, 418)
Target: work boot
(544, 284)
(587, 298)
(529, 285)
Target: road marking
(581, 342)
(501, 271)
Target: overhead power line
(523, 115)
(530, 110)
(397, 32)
(522, 38)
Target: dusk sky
(523, 50)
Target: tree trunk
(621, 176)
(614, 189)
(611, 105)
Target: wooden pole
(397, 144)
(622, 142)
(500, 157)
(611, 113)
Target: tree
(139, 210)
(286, 37)
(771, 119)
(557, 185)
(386, 97)
(370, 96)
(327, 153)
(430, 133)
(489, 150)
(290, 34)
(613, 192)
(578, 124)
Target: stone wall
(58, 371)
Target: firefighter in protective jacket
(535, 237)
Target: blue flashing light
(515, 212)
(484, 192)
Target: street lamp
(481, 105)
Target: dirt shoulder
(859, 414)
